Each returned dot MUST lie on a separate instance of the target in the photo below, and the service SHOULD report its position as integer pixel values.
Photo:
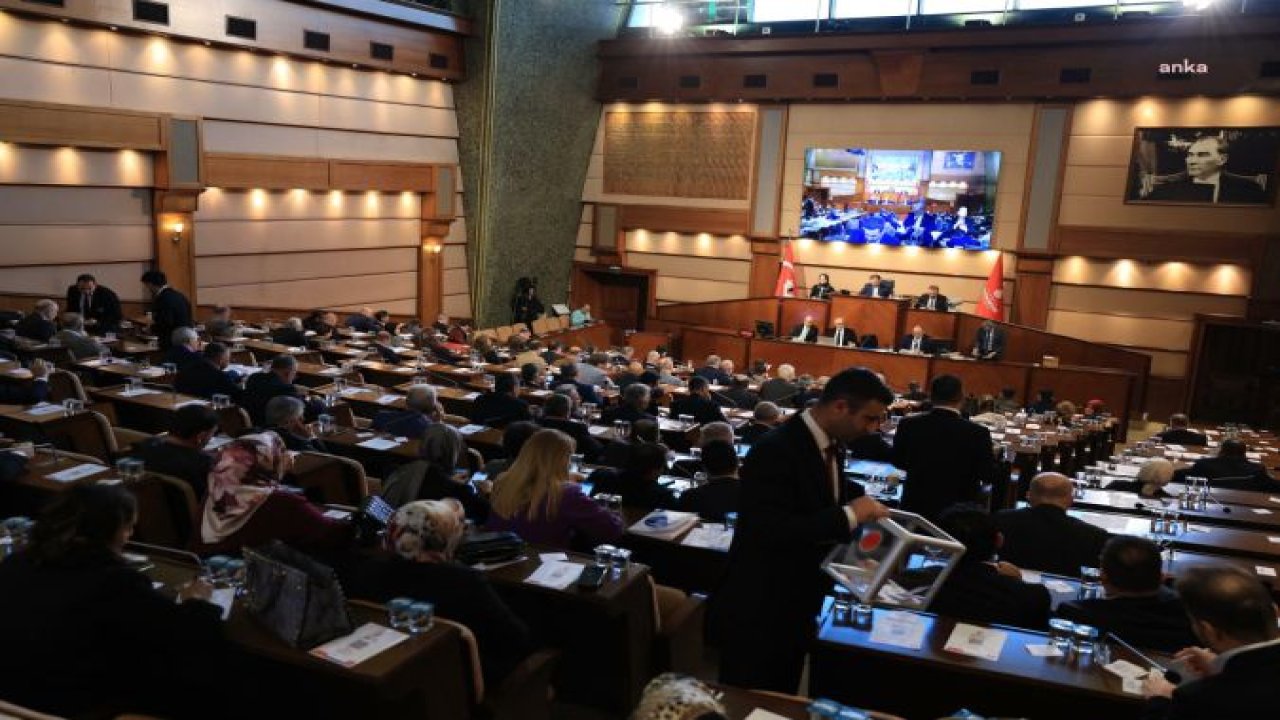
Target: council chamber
(448, 359)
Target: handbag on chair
(296, 597)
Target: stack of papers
(899, 629)
(379, 444)
(555, 574)
(44, 409)
(368, 640)
(979, 642)
(76, 472)
(388, 399)
(130, 392)
(1130, 675)
(711, 536)
(664, 524)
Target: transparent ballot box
(900, 561)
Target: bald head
(1050, 488)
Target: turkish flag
(786, 286)
(991, 305)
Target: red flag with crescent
(786, 286)
(992, 303)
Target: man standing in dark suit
(932, 300)
(805, 331)
(1177, 433)
(916, 342)
(1137, 606)
(98, 305)
(842, 336)
(989, 343)
(698, 403)
(947, 458)
(1230, 470)
(876, 287)
(170, 309)
(1232, 613)
(796, 504)
(1044, 537)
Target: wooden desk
(1214, 539)
(606, 635)
(882, 317)
(937, 324)
(818, 360)
(115, 371)
(1226, 514)
(150, 413)
(847, 667)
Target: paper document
(1262, 511)
(980, 642)
(77, 472)
(335, 514)
(713, 537)
(368, 640)
(899, 629)
(664, 524)
(1125, 669)
(190, 402)
(388, 399)
(379, 444)
(348, 392)
(1046, 650)
(151, 372)
(332, 371)
(1265, 571)
(224, 598)
(1059, 587)
(598, 430)
(552, 556)
(44, 409)
(132, 392)
(556, 574)
(471, 429)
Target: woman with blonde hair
(1152, 477)
(536, 499)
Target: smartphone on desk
(592, 577)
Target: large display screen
(922, 198)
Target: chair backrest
(518, 327)
(313, 357)
(470, 657)
(563, 322)
(244, 357)
(502, 333)
(9, 710)
(168, 513)
(65, 385)
(233, 420)
(474, 460)
(331, 479)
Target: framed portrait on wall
(1217, 166)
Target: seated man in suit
(1178, 432)
(1232, 613)
(1136, 606)
(291, 333)
(711, 372)
(917, 342)
(422, 407)
(632, 406)
(79, 343)
(765, 417)
(364, 321)
(557, 412)
(276, 381)
(569, 376)
(384, 344)
(823, 289)
(739, 394)
(782, 388)
(876, 287)
(39, 324)
(981, 589)
(209, 376)
(637, 481)
(1043, 536)
(1231, 470)
(842, 336)
(184, 347)
(989, 343)
(284, 417)
(932, 300)
(698, 403)
(220, 326)
(180, 453)
(720, 493)
(947, 459)
(97, 304)
(805, 331)
(501, 405)
(21, 393)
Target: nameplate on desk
(76, 472)
(899, 629)
(367, 641)
(710, 536)
(1265, 571)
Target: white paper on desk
(899, 629)
(139, 391)
(151, 372)
(1125, 669)
(713, 537)
(1255, 456)
(471, 396)
(598, 430)
(1262, 511)
(557, 574)
(368, 640)
(348, 392)
(76, 472)
(1031, 576)
(1265, 571)
(1032, 426)
(980, 642)
(1012, 431)
(86, 363)
(1131, 685)
(1126, 470)
(1274, 499)
(1059, 587)
(552, 556)
(20, 373)
(224, 598)
(332, 371)
(1198, 528)
(406, 370)
(379, 444)
(540, 393)
(388, 399)
(1175, 448)
(1273, 539)
(190, 402)
(1137, 526)
(336, 514)
(297, 349)
(762, 714)
(1042, 651)
(44, 409)
(471, 429)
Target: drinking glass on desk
(686, 420)
(1060, 633)
(1090, 583)
(621, 429)
(324, 424)
(1084, 640)
(221, 401)
(398, 612)
(576, 462)
(144, 362)
(730, 520)
(421, 616)
(695, 453)
(71, 406)
(104, 357)
(699, 479)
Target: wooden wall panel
(381, 176)
(273, 173)
(42, 124)
(1031, 299)
(679, 219)
(1159, 245)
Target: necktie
(915, 344)
(86, 299)
(931, 301)
(986, 343)
(840, 336)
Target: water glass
(604, 555)
(234, 572)
(695, 453)
(576, 462)
(144, 363)
(1090, 583)
(104, 357)
(730, 520)
(398, 612)
(324, 424)
(1060, 633)
(130, 469)
(71, 406)
(686, 420)
(221, 401)
(621, 429)
(861, 616)
(699, 479)
(169, 368)
(621, 561)
(135, 384)
(615, 503)
(421, 616)
(215, 570)
(1084, 638)
(842, 605)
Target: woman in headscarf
(416, 561)
(247, 506)
(437, 476)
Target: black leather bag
(296, 597)
(489, 548)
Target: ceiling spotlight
(668, 19)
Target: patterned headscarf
(671, 696)
(243, 476)
(426, 530)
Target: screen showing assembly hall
(923, 198)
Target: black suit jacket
(821, 291)
(1230, 473)
(702, 409)
(939, 304)
(258, 391)
(498, 409)
(24, 393)
(204, 379)
(997, 342)
(777, 390)
(104, 306)
(170, 310)
(34, 327)
(184, 463)
(926, 343)
(1246, 688)
(624, 412)
(850, 337)
(809, 334)
(1046, 538)
(711, 501)
(742, 398)
(947, 459)
(587, 446)
(1157, 622)
(289, 336)
(1183, 436)
(885, 289)
(752, 431)
(715, 375)
(974, 591)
